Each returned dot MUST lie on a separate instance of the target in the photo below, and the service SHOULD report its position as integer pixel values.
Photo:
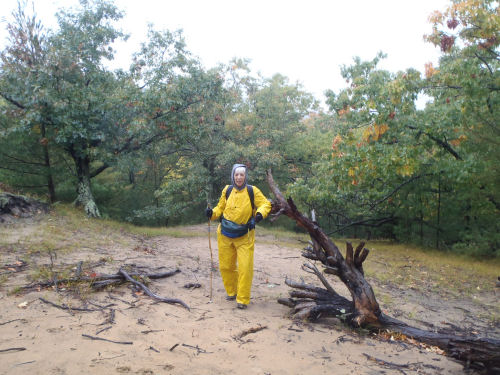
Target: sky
(306, 41)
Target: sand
(159, 338)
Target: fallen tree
(311, 302)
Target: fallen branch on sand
(242, 334)
(12, 350)
(150, 293)
(197, 348)
(65, 307)
(102, 339)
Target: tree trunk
(84, 197)
(350, 270)
(311, 302)
(46, 156)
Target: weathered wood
(311, 302)
(151, 294)
(248, 331)
(100, 281)
(366, 309)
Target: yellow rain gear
(236, 254)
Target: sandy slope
(167, 339)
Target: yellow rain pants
(236, 254)
(236, 265)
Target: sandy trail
(168, 339)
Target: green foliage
(153, 144)
(428, 176)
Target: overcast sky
(307, 41)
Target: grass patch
(75, 218)
(3, 279)
(413, 266)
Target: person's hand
(208, 212)
(258, 217)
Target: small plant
(14, 291)
(3, 279)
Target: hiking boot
(230, 298)
(241, 306)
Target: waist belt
(232, 230)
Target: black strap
(250, 194)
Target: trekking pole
(211, 257)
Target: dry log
(311, 302)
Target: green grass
(410, 265)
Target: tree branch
(12, 101)
(99, 170)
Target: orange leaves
(367, 133)
(336, 141)
(344, 111)
(351, 172)
(249, 130)
(436, 17)
(456, 142)
(429, 70)
(405, 170)
(380, 129)
(263, 143)
(374, 132)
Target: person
(236, 233)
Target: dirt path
(167, 339)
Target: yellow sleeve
(219, 209)
(261, 202)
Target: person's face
(239, 177)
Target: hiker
(240, 207)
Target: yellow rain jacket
(236, 254)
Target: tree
(419, 175)
(465, 88)
(65, 90)
(26, 150)
(96, 115)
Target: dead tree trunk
(310, 302)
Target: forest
(153, 144)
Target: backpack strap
(250, 194)
(228, 191)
